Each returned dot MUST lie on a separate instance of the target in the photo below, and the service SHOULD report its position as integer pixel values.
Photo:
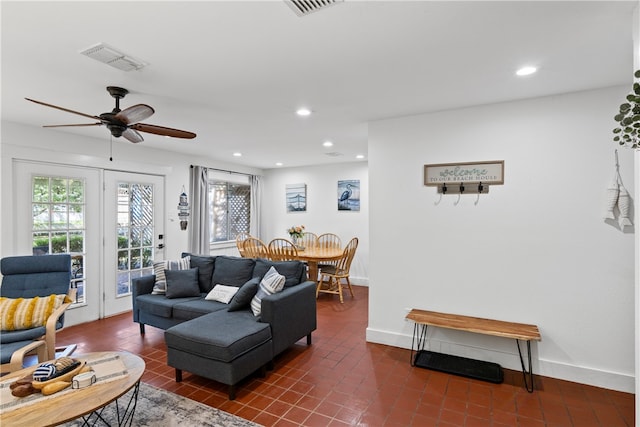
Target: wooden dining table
(314, 256)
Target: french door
(133, 233)
(58, 210)
(110, 222)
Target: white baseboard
(360, 281)
(510, 360)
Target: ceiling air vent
(111, 56)
(333, 154)
(305, 7)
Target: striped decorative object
(27, 313)
(159, 267)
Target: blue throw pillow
(245, 294)
(205, 265)
(232, 271)
(182, 283)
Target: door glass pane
(58, 223)
(40, 213)
(135, 234)
(59, 217)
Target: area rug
(161, 408)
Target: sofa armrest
(141, 286)
(291, 314)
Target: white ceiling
(234, 72)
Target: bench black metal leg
(141, 328)
(527, 384)
(178, 375)
(309, 339)
(418, 340)
(232, 392)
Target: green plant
(59, 243)
(628, 131)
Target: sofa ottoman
(222, 346)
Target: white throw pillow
(222, 293)
(159, 267)
(271, 283)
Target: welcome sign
(489, 172)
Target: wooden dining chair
(308, 240)
(240, 238)
(255, 248)
(331, 276)
(282, 250)
(329, 240)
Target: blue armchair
(29, 277)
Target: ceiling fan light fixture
(109, 55)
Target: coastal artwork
(296, 195)
(349, 195)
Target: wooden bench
(517, 331)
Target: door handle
(160, 246)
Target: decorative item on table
(48, 378)
(83, 380)
(296, 233)
(183, 210)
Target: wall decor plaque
(488, 172)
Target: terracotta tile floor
(341, 380)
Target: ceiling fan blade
(63, 109)
(161, 130)
(135, 113)
(60, 126)
(132, 136)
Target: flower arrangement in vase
(296, 233)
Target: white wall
(535, 250)
(322, 215)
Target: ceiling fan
(123, 122)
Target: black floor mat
(470, 368)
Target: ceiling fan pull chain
(111, 148)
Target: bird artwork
(348, 200)
(344, 197)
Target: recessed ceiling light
(236, 154)
(279, 164)
(303, 112)
(360, 156)
(327, 144)
(525, 71)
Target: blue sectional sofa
(227, 342)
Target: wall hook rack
(464, 178)
(463, 188)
